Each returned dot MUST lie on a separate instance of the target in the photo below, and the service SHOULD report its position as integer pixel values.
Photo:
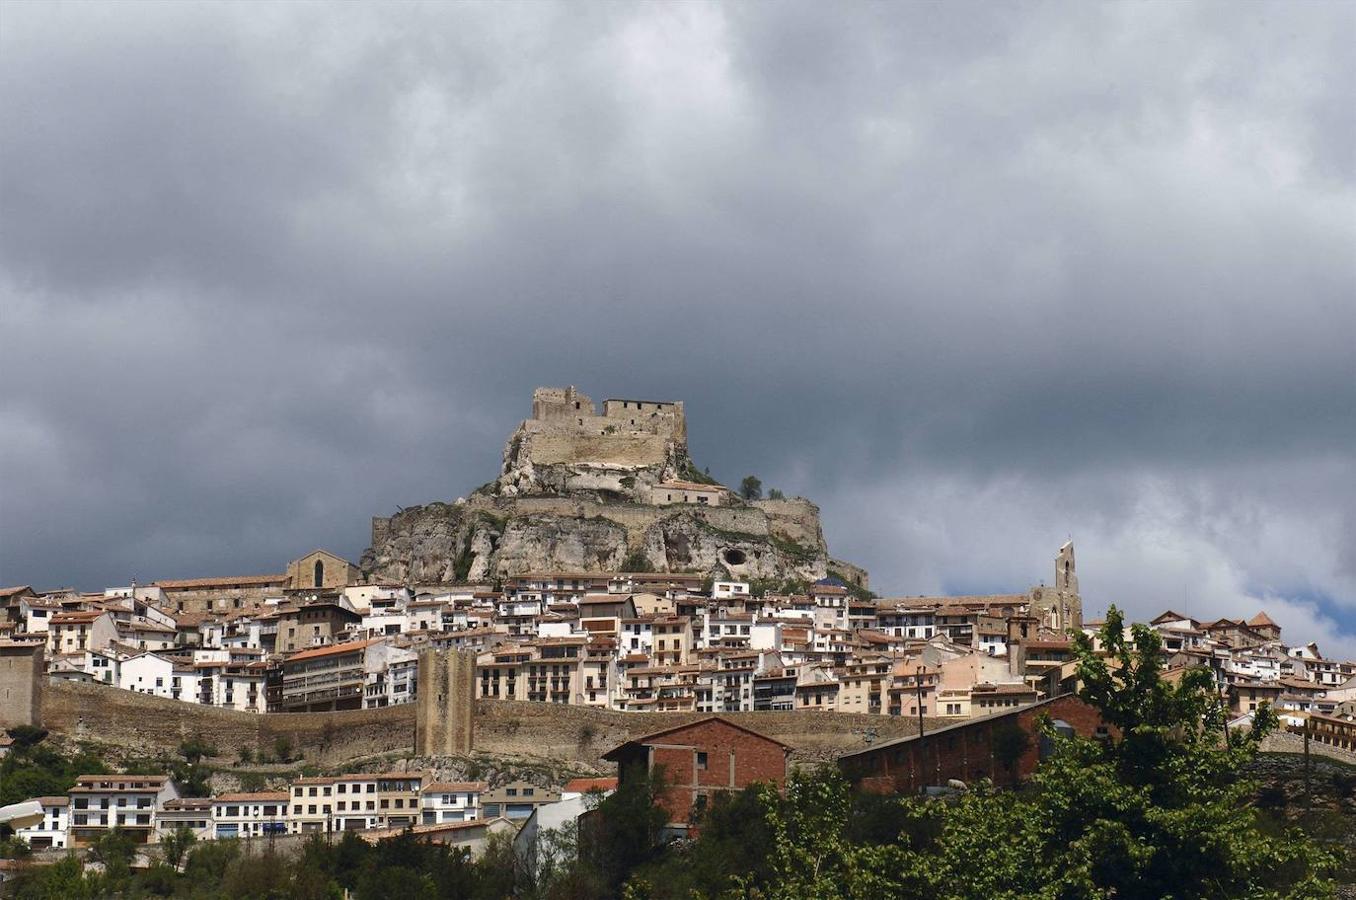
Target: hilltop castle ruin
(581, 491)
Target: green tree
(629, 825)
(194, 750)
(176, 845)
(63, 880)
(751, 488)
(775, 494)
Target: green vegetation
(775, 494)
(856, 590)
(790, 548)
(695, 475)
(399, 867)
(461, 566)
(761, 587)
(751, 488)
(637, 561)
(35, 769)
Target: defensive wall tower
(445, 703)
(21, 678)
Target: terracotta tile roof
(252, 797)
(1261, 620)
(693, 486)
(75, 618)
(584, 785)
(332, 650)
(230, 581)
(451, 787)
(11, 591)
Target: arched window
(319, 573)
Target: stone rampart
(152, 724)
(565, 447)
(507, 728)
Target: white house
(450, 801)
(730, 590)
(51, 831)
(251, 814)
(148, 673)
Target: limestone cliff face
(475, 541)
(573, 495)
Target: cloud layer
(975, 278)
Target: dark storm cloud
(974, 277)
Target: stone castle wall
(547, 445)
(570, 733)
(794, 518)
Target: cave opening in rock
(734, 557)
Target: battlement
(570, 410)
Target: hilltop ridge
(583, 490)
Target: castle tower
(21, 681)
(445, 703)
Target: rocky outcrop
(572, 495)
(479, 540)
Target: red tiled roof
(230, 581)
(331, 650)
(584, 785)
(450, 787)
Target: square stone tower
(20, 684)
(446, 702)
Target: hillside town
(317, 639)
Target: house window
(701, 760)
(319, 573)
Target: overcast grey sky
(975, 278)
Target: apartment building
(99, 803)
(249, 814)
(388, 800)
(325, 678)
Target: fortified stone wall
(568, 733)
(569, 447)
(794, 518)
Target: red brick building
(700, 759)
(967, 751)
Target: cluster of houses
(699, 759)
(150, 807)
(316, 638)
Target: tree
(1010, 741)
(775, 494)
(751, 488)
(176, 845)
(194, 750)
(629, 825)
